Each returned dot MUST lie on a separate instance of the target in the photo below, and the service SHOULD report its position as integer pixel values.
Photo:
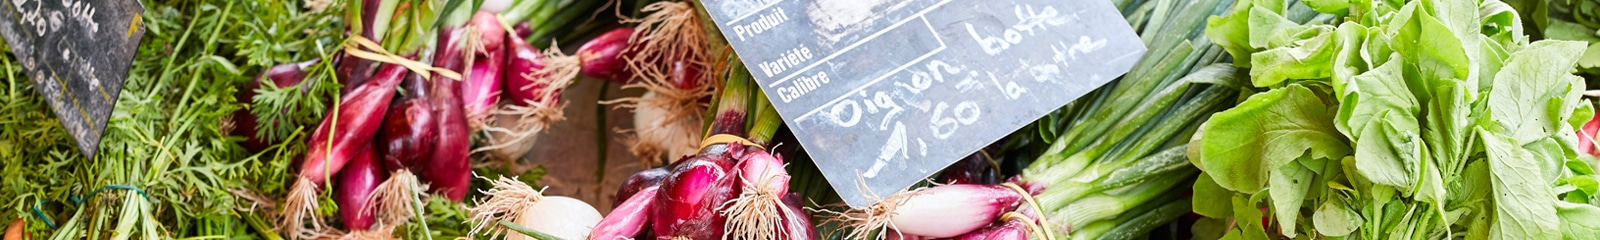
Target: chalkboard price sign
(77, 52)
(883, 93)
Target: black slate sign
(77, 52)
(883, 93)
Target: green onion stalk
(1116, 161)
(540, 21)
(1119, 160)
(1171, 55)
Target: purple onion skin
(481, 91)
(481, 88)
(521, 78)
(522, 29)
(685, 76)
(756, 164)
(891, 234)
(369, 14)
(1015, 229)
(729, 122)
(357, 181)
(352, 71)
(360, 115)
(980, 234)
(282, 75)
(447, 170)
(410, 129)
(973, 169)
(805, 230)
(640, 181)
(628, 219)
(602, 57)
(960, 208)
(1033, 188)
(245, 123)
(690, 199)
(491, 35)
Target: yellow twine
(1035, 228)
(1035, 204)
(354, 45)
(725, 138)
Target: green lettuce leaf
(1335, 219)
(1579, 221)
(1289, 185)
(1523, 199)
(1266, 131)
(1519, 102)
(1210, 200)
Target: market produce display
(415, 119)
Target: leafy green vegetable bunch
(1389, 119)
(1577, 20)
(33, 143)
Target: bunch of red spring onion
(731, 187)
(407, 129)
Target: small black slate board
(78, 53)
(883, 93)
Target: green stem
(600, 134)
(1117, 175)
(1143, 223)
(1127, 128)
(456, 16)
(1073, 114)
(1196, 110)
(166, 69)
(380, 22)
(766, 121)
(1108, 204)
(1050, 167)
(1100, 228)
(714, 39)
(416, 203)
(560, 20)
(721, 82)
(733, 105)
(69, 229)
(261, 226)
(1170, 51)
(183, 102)
(1093, 230)
(11, 80)
(528, 231)
(520, 11)
(541, 14)
(1126, 97)
(222, 20)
